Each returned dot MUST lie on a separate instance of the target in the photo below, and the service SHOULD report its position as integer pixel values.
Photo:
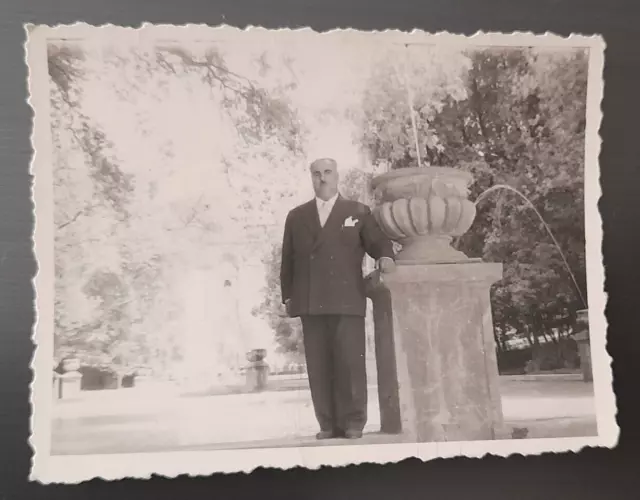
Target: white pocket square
(350, 222)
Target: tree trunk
(535, 341)
(538, 327)
(498, 339)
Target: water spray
(484, 194)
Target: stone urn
(423, 209)
(70, 365)
(256, 355)
(257, 372)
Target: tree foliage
(88, 184)
(425, 81)
(201, 146)
(521, 123)
(124, 234)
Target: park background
(175, 166)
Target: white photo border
(72, 469)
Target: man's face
(324, 174)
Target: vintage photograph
(289, 248)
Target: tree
(124, 235)
(528, 124)
(518, 120)
(422, 80)
(88, 182)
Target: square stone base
(437, 367)
(70, 385)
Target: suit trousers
(335, 352)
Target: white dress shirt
(325, 207)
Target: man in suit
(324, 244)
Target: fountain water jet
(497, 187)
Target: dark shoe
(353, 434)
(325, 435)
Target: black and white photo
(286, 248)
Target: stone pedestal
(437, 367)
(143, 378)
(584, 349)
(142, 381)
(70, 385)
(258, 370)
(57, 391)
(584, 345)
(257, 376)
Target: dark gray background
(591, 474)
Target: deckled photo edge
(43, 464)
(222, 32)
(608, 429)
(42, 199)
(76, 469)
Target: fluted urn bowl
(71, 365)
(423, 209)
(256, 355)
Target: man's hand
(386, 265)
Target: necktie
(324, 213)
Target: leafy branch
(85, 211)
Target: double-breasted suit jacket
(321, 268)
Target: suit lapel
(312, 219)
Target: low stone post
(71, 380)
(386, 368)
(584, 344)
(56, 386)
(142, 378)
(258, 370)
